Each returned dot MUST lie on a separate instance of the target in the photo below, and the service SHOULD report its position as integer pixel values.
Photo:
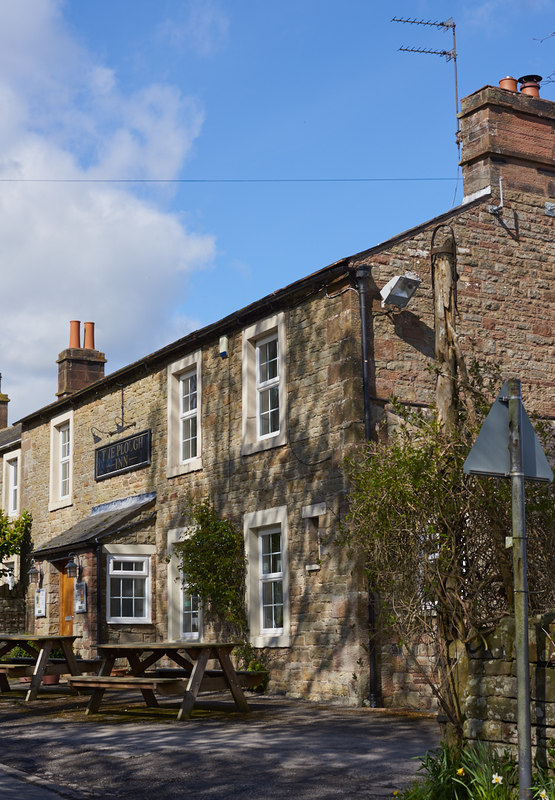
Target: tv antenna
(449, 55)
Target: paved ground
(284, 749)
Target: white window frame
(266, 578)
(257, 523)
(176, 591)
(130, 553)
(261, 332)
(175, 372)
(11, 468)
(57, 426)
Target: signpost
(507, 447)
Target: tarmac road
(284, 749)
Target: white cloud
(89, 251)
(204, 28)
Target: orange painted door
(67, 603)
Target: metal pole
(362, 275)
(520, 592)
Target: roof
(92, 529)
(10, 436)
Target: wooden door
(67, 603)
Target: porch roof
(90, 530)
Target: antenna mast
(449, 55)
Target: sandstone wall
(489, 689)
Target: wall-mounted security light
(399, 290)
(224, 346)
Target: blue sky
(219, 89)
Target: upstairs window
(184, 415)
(61, 461)
(188, 415)
(64, 443)
(264, 385)
(267, 386)
(11, 481)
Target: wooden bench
(147, 685)
(25, 668)
(213, 680)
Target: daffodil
(460, 771)
(543, 795)
(497, 779)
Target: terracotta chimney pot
(530, 85)
(508, 83)
(75, 334)
(88, 344)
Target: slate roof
(90, 530)
(10, 436)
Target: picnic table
(186, 679)
(39, 661)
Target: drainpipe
(98, 593)
(362, 274)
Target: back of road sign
(490, 452)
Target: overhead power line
(216, 180)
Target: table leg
(98, 694)
(4, 683)
(69, 656)
(137, 668)
(95, 701)
(193, 686)
(38, 672)
(232, 682)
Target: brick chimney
(509, 134)
(4, 400)
(79, 366)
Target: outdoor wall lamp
(399, 290)
(35, 574)
(73, 567)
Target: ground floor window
(271, 579)
(184, 608)
(190, 614)
(128, 588)
(267, 577)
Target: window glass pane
(64, 479)
(188, 393)
(267, 361)
(272, 604)
(127, 607)
(188, 438)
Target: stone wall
(487, 680)
(12, 608)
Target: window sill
(54, 505)
(194, 465)
(258, 446)
(128, 621)
(271, 640)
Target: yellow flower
(497, 779)
(460, 771)
(395, 793)
(543, 795)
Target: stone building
(257, 412)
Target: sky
(164, 163)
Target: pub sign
(124, 455)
